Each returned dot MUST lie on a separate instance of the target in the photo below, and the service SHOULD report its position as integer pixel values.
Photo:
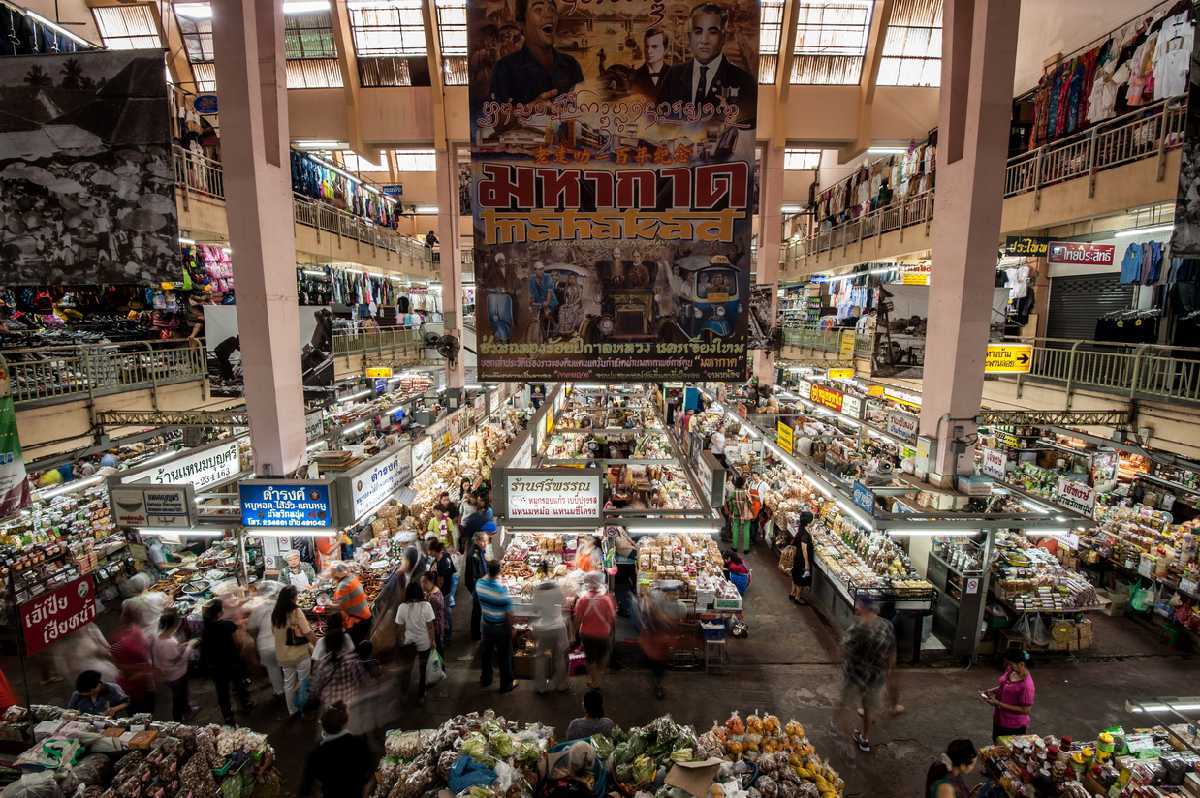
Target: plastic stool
(716, 654)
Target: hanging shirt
(1018, 281)
(1172, 53)
(1131, 264)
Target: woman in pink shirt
(1012, 697)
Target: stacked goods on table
(98, 757)
(1032, 579)
(651, 486)
(682, 558)
(484, 756)
(471, 459)
(530, 558)
(1143, 539)
(864, 561)
(1142, 763)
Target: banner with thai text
(57, 613)
(612, 160)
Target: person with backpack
(740, 507)
(595, 614)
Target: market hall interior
(808, 386)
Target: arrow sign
(1008, 358)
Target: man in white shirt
(709, 77)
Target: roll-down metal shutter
(1077, 302)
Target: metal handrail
(1147, 132)
(816, 338)
(197, 175)
(53, 374)
(376, 342)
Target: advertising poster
(14, 487)
(87, 184)
(225, 351)
(762, 317)
(285, 504)
(612, 155)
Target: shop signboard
(915, 273)
(152, 505)
(846, 344)
(1008, 359)
(1026, 246)
(368, 486)
(995, 462)
(1008, 440)
(804, 389)
(286, 503)
(864, 497)
(1076, 252)
(874, 390)
(393, 189)
(784, 436)
(903, 425)
(827, 397)
(840, 374)
(378, 372)
(422, 455)
(57, 613)
(852, 406)
(904, 399)
(553, 495)
(202, 468)
(404, 463)
(1076, 495)
(631, 202)
(314, 425)
(206, 104)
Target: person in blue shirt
(496, 608)
(94, 696)
(542, 296)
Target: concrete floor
(788, 665)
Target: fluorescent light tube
(181, 532)
(1137, 231)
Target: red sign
(56, 614)
(826, 397)
(1074, 252)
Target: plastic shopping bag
(435, 670)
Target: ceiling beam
(433, 49)
(351, 85)
(881, 17)
(783, 69)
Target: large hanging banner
(87, 185)
(14, 487)
(612, 156)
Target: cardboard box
(694, 778)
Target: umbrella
(64, 185)
(158, 203)
(142, 220)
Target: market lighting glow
(187, 533)
(353, 429)
(853, 275)
(316, 445)
(305, 6)
(426, 209)
(932, 533)
(314, 273)
(318, 144)
(354, 396)
(300, 532)
(57, 27)
(70, 487)
(158, 458)
(1139, 708)
(1137, 231)
(886, 150)
(183, 240)
(194, 10)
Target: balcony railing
(1149, 132)
(387, 347)
(54, 374)
(197, 175)
(817, 339)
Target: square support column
(451, 261)
(979, 43)
(770, 230)
(248, 45)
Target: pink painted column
(451, 258)
(770, 231)
(979, 42)
(248, 45)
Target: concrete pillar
(451, 258)
(248, 44)
(979, 42)
(770, 233)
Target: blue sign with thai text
(286, 504)
(864, 497)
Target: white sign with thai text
(201, 470)
(994, 462)
(1076, 495)
(552, 496)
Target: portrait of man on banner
(612, 181)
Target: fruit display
(787, 764)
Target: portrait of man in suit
(708, 76)
(537, 71)
(649, 76)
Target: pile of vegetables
(788, 765)
(416, 762)
(643, 755)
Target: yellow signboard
(784, 436)
(1008, 359)
(846, 344)
(915, 273)
(840, 374)
(550, 422)
(378, 372)
(1008, 440)
(874, 390)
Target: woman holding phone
(1012, 697)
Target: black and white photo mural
(87, 186)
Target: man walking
(495, 607)
(869, 648)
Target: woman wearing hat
(595, 614)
